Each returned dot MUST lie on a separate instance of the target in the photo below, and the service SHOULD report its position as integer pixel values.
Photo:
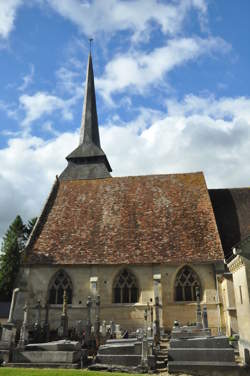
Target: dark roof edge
(227, 189)
(41, 219)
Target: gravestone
(16, 311)
(37, 324)
(204, 318)
(157, 322)
(64, 318)
(24, 334)
(198, 308)
(97, 320)
(46, 328)
(88, 324)
(130, 354)
(57, 354)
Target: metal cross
(90, 41)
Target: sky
(172, 84)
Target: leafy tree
(10, 258)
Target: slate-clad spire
(88, 161)
(89, 128)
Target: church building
(121, 237)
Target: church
(124, 237)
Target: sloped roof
(127, 220)
(231, 208)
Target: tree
(13, 244)
(29, 227)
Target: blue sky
(172, 83)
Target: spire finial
(90, 41)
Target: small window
(125, 288)
(185, 285)
(60, 282)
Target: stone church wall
(127, 315)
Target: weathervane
(90, 41)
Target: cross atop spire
(90, 41)
(88, 161)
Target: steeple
(88, 161)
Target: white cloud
(27, 79)
(42, 103)
(68, 79)
(29, 169)
(197, 134)
(8, 9)
(140, 69)
(115, 15)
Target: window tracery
(185, 284)
(60, 282)
(125, 288)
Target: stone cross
(198, 308)
(88, 324)
(24, 335)
(146, 320)
(46, 322)
(204, 318)
(38, 317)
(144, 354)
(37, 324)
(97, 319)
(112, 328)
(158, 295)
(104, 329)
(152, 319)
(157, 321)
(64, 317)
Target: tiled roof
(137, 220)
(231, 209)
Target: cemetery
(99, 345)
(128, 274)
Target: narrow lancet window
(60, 282)
(125, 288)
(185, 284)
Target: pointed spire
(89, 128)
(88, 161)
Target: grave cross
(198, 308)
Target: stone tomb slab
(202, 355)
(205, 368)
(208, 342)
(190, 332)
(63, 345)
(46, 356)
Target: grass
(52, 372)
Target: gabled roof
(127, 220)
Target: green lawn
(53, 372)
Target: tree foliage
(13, 244)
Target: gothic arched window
(125, 288)
(185, 284)
(60, 282)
